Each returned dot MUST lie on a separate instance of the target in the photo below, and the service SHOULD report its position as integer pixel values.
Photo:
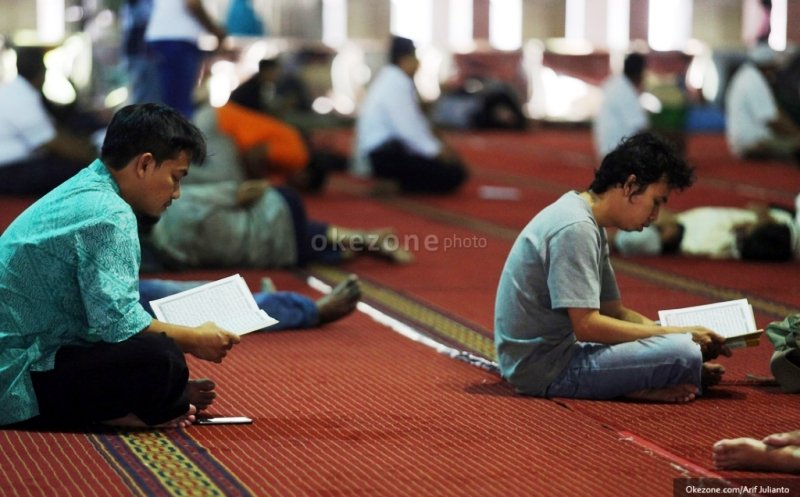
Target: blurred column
(50, 25)
(480, 19)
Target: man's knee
(682, 357)
(163, 358)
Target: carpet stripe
(168, 463)
(775, 309)
(772, 308)
(411, 333)
(666, 454)
(434, 321)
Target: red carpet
(355, 409)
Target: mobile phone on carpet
(229, 420)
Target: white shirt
(709, 231)
(24, 122)
(620, 114)
(749, 106)
(171, 20)
(391, 110)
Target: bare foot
(385, 188)
(711, 374)
(201, 393)
(341, 301)
(752, 454)
(386, 243)
(133, 421)
(783, 439)
(383, 242)
(677, 393)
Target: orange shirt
(286, 150)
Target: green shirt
(69, 272)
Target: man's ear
(143, 163)
(631, 186)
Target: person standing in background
(143, 82)
(172, 34)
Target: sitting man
(35, 154)
(757, 128)
(757, 233)
(394, 139)
(76, 346)
(561, 329)
(285, 97)
(266, 147)
(621, 114)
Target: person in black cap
(394, 139)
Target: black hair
(30, 62)
(154, 128)
(634, 66)
(267, 64)
(767, 242)
(673, 245)
(647, 157)
(400, 47)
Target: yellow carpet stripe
(694, 286)
(409, 309)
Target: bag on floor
(785, 362)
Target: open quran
(732, 319)
(227, 302)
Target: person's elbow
(584, 323)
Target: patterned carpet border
(436, 323)
(166, 463)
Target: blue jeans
(178, 64)
(599, 371)
(292, 310)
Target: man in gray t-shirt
(560, 327)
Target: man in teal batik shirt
(76, 346)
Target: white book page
(226, 302)
(730, 319)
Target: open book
(226, 302)
(732, 319)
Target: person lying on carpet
(779, 452)
(229, 215)
(292, 310)
(76, 346)
(758, 233)
(561, 329)
(255, 225)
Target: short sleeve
(574, 273)
(108, 275)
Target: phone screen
(232, 420)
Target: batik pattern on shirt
(69, 270)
